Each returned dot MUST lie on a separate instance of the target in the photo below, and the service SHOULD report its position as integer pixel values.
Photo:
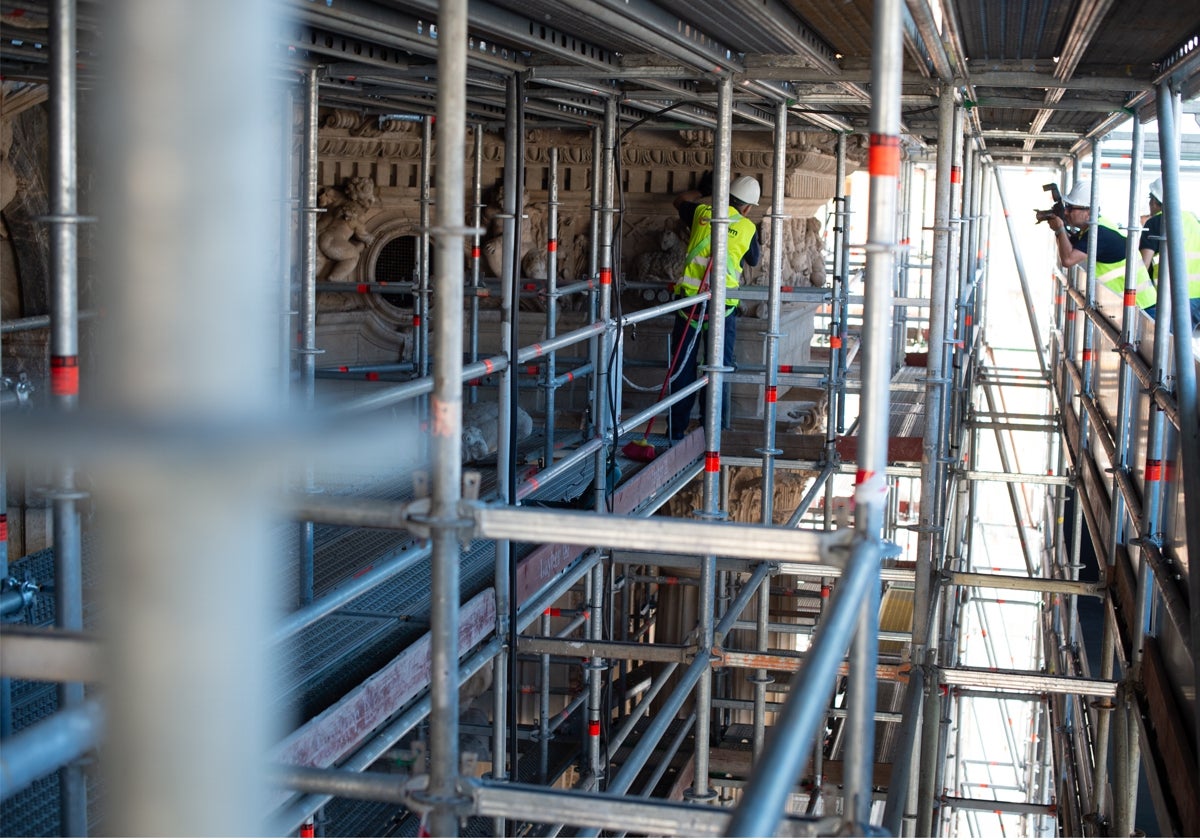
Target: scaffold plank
(336, 731)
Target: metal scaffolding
(851, 665)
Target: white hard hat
(1156, 190)
(745, 190)
(1080, 195)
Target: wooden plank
(541, 565)
(338, 730)
(1174, 741)
(899, 449)
(795, 446)
(651, 478)
(683, 781)
(800, 447)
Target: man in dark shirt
(1110, 247)
(1073, 248)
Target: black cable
(618, 312)
(657, 113)
(517, 200)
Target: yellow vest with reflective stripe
(741, 234)
(1112, 275)
(1191, 253)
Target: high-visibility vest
(1112, 275)
(1191, 252)
(741, 235)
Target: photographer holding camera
(1110, 246)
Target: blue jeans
(682, 330)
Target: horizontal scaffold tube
(998, 806)
(1018, 478)
(652, 312)
(592, 648)
(1026, 584)
(516, 801)
(379, 572)
(572, 460)
(49, 744)
(542, 348)
(760, 542)
(800, 569)
(416, 388)
(48, 654)
(641, 417)
(1026, 681)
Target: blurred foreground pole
(189, 360)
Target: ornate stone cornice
(348, 134)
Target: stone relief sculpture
(341, 234)
(745, 495)
(534, 256)
(803, 258)
(664, 264)
(481, 430)
(806, 408)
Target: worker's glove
(704, 185)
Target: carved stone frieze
(745, 495)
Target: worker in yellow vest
(1110, 247)
(688, 331)
(1151, 243)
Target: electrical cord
(672, 370)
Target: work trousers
(1152, 313)
(684, 330)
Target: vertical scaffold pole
(445, 422)
(837, 333)
(476, 238)
(843, 291)
(187, 688)
(771, 387)
(64, 374)
(1185, 374)
(421, 306)
(925, 600)
(716, 370)
(288, 227)
(551, 305)
(952, 406)
(606, 372)
(924, 609)
(900, 322)
(308, 308)
(871, 481)
(1126, 743)
(1108, 641)
(505, 698)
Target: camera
(1059, 209)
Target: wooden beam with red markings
(338, 730)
